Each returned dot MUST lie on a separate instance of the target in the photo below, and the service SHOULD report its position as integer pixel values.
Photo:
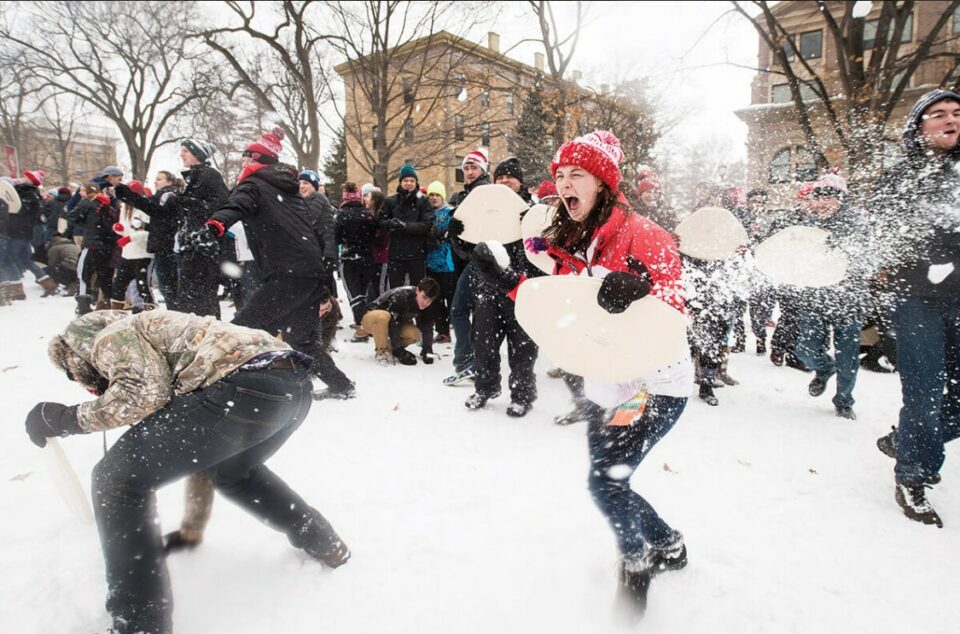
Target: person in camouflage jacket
(201, 396)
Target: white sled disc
(799, 256)
(534, 223)
(710, 233)
(10, 196)
(65, 481)
(491, 212)
(561, 314)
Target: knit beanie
(546, 189)
(830, 183)
(597, 152)
(35, 177)
(267, 149)
(407, 171)
(64, 191)
(136, 186)
(200, 149)
(311, 177)
(509, 167)
(478, 157)
(644, 172)
(648, 184)
(436, 187)
(368, 188)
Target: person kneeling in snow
(200, 395)
(390, 319)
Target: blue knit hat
(311, 177)
(407, 171)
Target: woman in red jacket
(595, 233)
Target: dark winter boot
(336, 557)
(761, 346)
(479, 399)
(706, 392)
(518, 410)
(722, 374)
(817, 386)
(631, 603)
(776, 357)
(846, 411)
(83, 304)
(404, 356)
(912, 498)
(175, 542)
(555, 373)
(888, 446)
(342, 394)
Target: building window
(956, 20)
(806, 166)
(870, 31)
(779, 168)
(790, 50)
(458, 176)
(458, 127)
(460, 86)
(485, 99)
(510, 102)
(407, 91)
(485, 134)
(897, 78)
(780, 93)
(408, 131)
(811, 44)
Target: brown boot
(4, 294)
(722, 374)
(49, 286)
(114, 305)
(102, 304)
(15, 289)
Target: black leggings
(133, 270)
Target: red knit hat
(546, 190)
(269, 145)
(35, 176)
(136, 187)
(644, 172)
(804, 192)
(597, 152)
(648, 183)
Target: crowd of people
(276, 243)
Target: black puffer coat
(325, 228)
(21, 224)
(279, 227)
(409, 242)
(163, 210)
(356, 229)
(203, 194)
(401, 303)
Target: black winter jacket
(278, 225)
(409, 242)
(356, 230)
(163, 210)
(97, 221)
(325, 228)
(20, 225)
(204, 193)
(401, 303)
(105, 187)
(53, 209)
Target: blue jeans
(228, 430)
(813, 343)
(928, 360)
(615, 453)
(9, 271)
(464, 298)
(19, 252)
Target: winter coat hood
(911, 132)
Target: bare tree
(402, 70)
(18, 103)
(60, 117)
(131, 62)
(857, 104)
(282, 66)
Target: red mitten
(124, 241)
(103, 199)
(118, 227)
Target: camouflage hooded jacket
(147, 358)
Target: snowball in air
(231, 270)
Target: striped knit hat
(478, 157)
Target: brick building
(466, 95)
(777, 157)
(88, 151)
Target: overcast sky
(687, 50)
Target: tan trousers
(377, 323)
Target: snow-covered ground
(475, 522)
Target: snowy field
(475, 522)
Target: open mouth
(572, 203)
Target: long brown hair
(575, 237)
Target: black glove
(504, 279)
(426, 357)
(123, 193)
(455, 228)
(47, 420)
(173, 542)
(203, 242)
(394, 224)
(620, 288)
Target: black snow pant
(227, 430)
(787, 331)
(128, 271)
(400, 270)
(197, 285)
(95, 262)
(441, 305)
(761, 309)
(356, 276)
(709, 335)
(291, 307)
(493, 320)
